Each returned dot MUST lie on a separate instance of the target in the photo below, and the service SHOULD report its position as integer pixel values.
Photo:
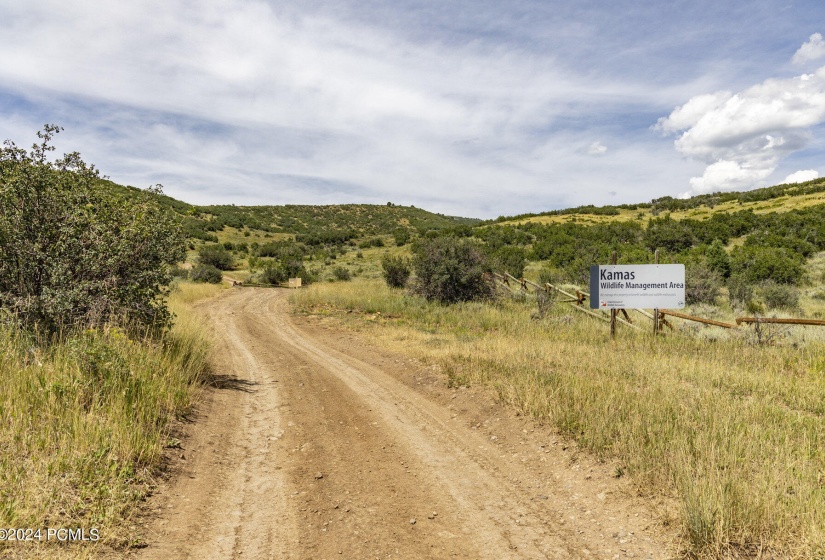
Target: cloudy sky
(468, 107)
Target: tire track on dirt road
(312, 452)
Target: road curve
(308, 448)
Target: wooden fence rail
(791, 321)
(577, 301)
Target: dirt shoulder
(316, 444)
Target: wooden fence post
(656, 311)
(613, 311)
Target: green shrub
(451, 269)
(341, 273)
(215, 255)
(374, 242)
(717, 258)
(740, 291)
(206, 273)
(396, 271)
(779, 296)
(509, 258)
(73, 252)
(272, 273)
(756, 264)
(702, 284)
(401, 236)
(177, 271)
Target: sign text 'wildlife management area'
(637, 286)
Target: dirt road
(314, 444)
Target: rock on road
(310, 446)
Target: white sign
(637, 286)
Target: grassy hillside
(353, 220)
(779, 198)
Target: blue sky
(476, 108)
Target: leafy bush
(396, 271)
(717, 258)
(341, 273)
(509, 258)
(702, 284)
(757, 264)
(215, 255)
(740, 291)
(76, 253)
(779, 296)
(178, 272)
(206, 273)
(374, 242)
(272, 273)
(668, 234)
(401, 236)
(450, 269)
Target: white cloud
(728, 175)
(742, 137)
(273, 101)
(597, 149)
(801, 176)
(812, 50)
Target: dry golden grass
(734, 432)
(781, 204)
(83, 422)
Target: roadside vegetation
(731, 431)
(94, 363)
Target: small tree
(341, 273)
(215, 255)
(740, 291)
(449, 270)
(396, 271)
(717, 258)
(206, 273)
(401, 236)
(703, 284)
(779, 296)
(72, 252)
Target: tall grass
(84, 420)
(733, 431)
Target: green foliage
(508, 258)
(77, 254)
(717, 258)
(277, 272)
(283, 250)
(206, 273)
(373, 242)
(272, 273)
(756, 264)
(215, 255)
(702, 284)
(668, 234)
(396, 271)
(779, 296)
(450, 270)
(401, 236)
(341, 273)
(178, 271)
(740, 291)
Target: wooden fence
(577, 302)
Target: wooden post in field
(613, 311)
(656, 311)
